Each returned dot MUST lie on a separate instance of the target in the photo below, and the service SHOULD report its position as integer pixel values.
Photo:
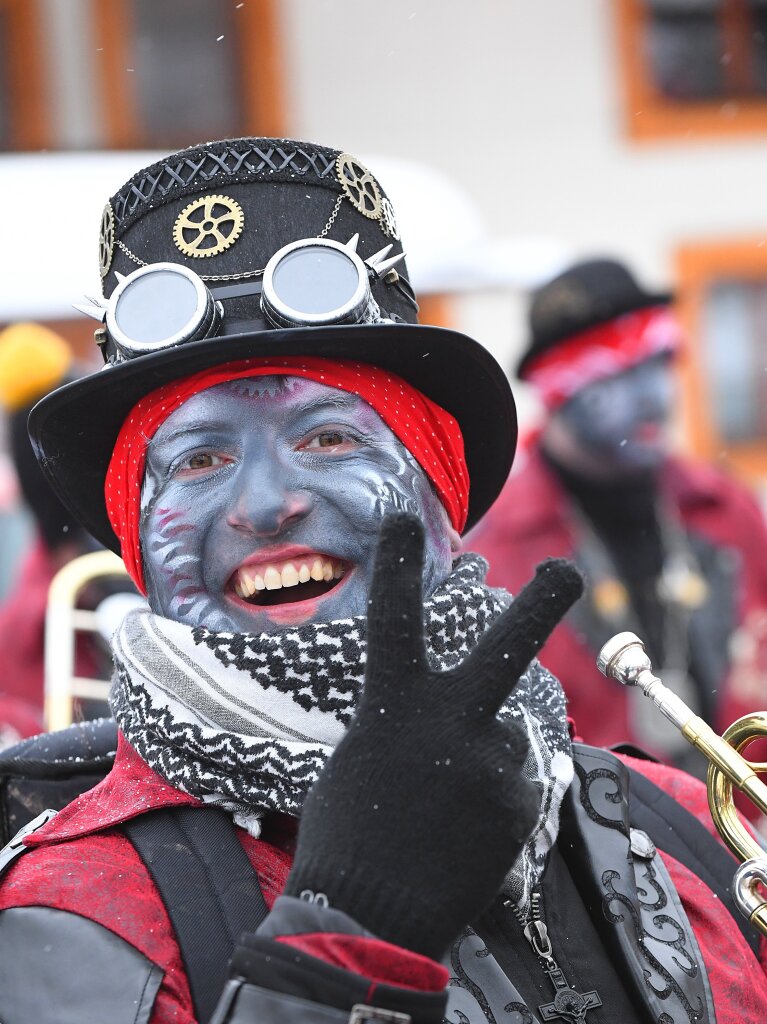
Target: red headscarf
(428, 432)
(602, 351)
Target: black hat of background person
(583, 296)
(284, 191)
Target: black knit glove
(421, 810)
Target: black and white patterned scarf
(247, 721)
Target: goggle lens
(315, 280)
(157, 306)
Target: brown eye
(199, 463)
(330, 439)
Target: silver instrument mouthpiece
(623, 658)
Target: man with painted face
(339, 767)
(672, 550)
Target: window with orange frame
(693, 68)
(722, 301)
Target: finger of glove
(395, 631)
(511, 643)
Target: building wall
(518, 103)
(521, 104)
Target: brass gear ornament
(106, 240)
(388, 220)
(359, 185)
(208, 226)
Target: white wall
(519, 102)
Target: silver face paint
(620, 422)
(268, 471)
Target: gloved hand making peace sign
(422, 808)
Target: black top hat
(223, 210)
(585, 295)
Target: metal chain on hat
(332, 217)
(244, 273)
(203, 277)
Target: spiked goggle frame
(312, 282)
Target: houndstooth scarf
(246, 721)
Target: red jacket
(80, 863)
(531, 520)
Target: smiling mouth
(287, 582)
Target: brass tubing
(624, 659)
(720, 783)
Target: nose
(267, 501)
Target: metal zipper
(567, 1003)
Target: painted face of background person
(262, 501)
(617, 426)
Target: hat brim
(74, 429)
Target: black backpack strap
(209, 888)
(679, 833)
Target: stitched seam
(150, 976)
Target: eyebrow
(202, 426)
(344, 400)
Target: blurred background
(513, 138)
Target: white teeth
(272, 579)
(317, 571)
(247, 583)
(289, 575)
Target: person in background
(673, 550)
(33, 361)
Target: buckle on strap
(361, 1013)
(16, 847)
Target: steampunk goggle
(309, 283)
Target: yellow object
(610, 598)
(33, 360)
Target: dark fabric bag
(51, 769)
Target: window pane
(707, 49)
(685, 56)
(5, 95)
(735, 358)
(760, 48)
(187, 86)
